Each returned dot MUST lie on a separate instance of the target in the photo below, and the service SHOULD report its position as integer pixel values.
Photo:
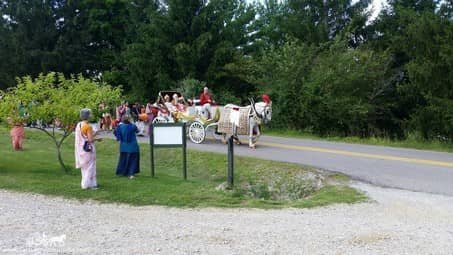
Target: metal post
(151, 150)
(230, 162)
(184, 152)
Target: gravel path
(396, 222)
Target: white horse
(260, 113)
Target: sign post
(168, 135)
(230, 174)
(230, 162)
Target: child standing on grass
(17, 136)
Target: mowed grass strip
(411, 142)
(36, 170)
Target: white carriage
(227, 120)
(194, 115)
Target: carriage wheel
(197, 132)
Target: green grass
(36, 170)
(411, 142)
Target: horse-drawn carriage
(227, 120)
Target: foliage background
(329, 69)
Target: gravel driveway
(395, 222)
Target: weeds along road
(408, 169)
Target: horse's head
(263, 110)
(267, 113)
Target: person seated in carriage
(179, 103)
(181, 112)
(168, 104)
(206, 101)
(162, 108)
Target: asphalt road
(408, 169)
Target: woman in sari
(17, 136)
(85, 150)
(129, 162)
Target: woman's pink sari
(17, 136)
(86, 161)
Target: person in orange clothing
(17, 136)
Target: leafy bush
(331, 91)
(191, 88)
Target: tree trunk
(60, 159)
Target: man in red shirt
(206, 101)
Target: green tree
(80, 36)
(320, 21)
(330, 90)
(429, 47)
(29, 35)
(7, 65)
(348, 93)
(281, 73)
(51, 97)
(189, 39)
(417, 34)
(269, 30)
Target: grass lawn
(36, 170)
(411, 142)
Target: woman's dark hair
(126, 119)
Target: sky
(376, 5)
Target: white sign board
(168, 135)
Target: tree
(429, 47)
(315, 22)
(80, 36)
(28, 37)
(329, 90)
(190, 39)
(418, 36)
(269, 26)
(51, 98)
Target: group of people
(126, 127)
(129, 121)
(125, 132)
(170, 107)
(107, 123)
